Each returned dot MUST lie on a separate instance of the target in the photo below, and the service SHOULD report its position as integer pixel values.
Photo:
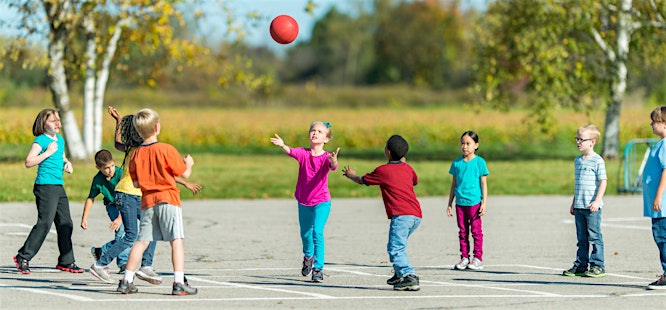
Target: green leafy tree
(570, 54)
(338, 53)
(421, 43)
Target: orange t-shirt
(154, 167)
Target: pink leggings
(469, 219)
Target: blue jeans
(113, 213)
(659, 235)
(312, 220)
(402, 226)
(130, 210)
(588, 232)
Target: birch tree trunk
(57, 80)
(89, 84)
(618, 60)
(103, 78)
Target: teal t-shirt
(107, 188)
(654, 166)
(468, 180)
(51, 169)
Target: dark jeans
(130, 211)
(52, 207)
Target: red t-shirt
(154, 167)
(397, 181)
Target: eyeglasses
(581, 140)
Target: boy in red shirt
(153, 168)
(396, 179)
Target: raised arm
(118, 133)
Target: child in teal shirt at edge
(312, 194)
(589, 189)
(396, 179)
(104, 182)
(654, 191)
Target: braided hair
(129, 136)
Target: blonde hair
(329, 134)
(145, 121)
(592, 130)
(658, 114)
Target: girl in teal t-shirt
(48, 153)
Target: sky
(257, 34)
(260, 36)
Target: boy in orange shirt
(153, 168)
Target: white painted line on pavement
(45, 292)
(260, 288)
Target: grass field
(234, 158)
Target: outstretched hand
(277, 141)
(349, 172)
(193, 187)
(114, 113)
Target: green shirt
(100, 185)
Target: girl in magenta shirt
(312, 194)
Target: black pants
(52, 207)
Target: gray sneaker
(476, 264)
(182, 289)
(147, 274)
(462, 264)
(101, 273)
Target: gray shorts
(163, 222)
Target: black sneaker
(126, 287)
(574, 271)
(317, 275)
(96, 253)
(394, 279)
(307, 266)
(22, 265)
(73, 268)
(122, 268)
(182, 289)
(409, 282)
(660, 284)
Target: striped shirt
(589, 173)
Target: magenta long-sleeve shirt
(312, 184)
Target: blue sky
(259, 35)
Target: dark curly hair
(398, 147)
(129, 136)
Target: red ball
(284, 29)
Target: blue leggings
(312, 220)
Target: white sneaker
(462, 265)
(147, 274)
(101, 273)
(476, 264)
